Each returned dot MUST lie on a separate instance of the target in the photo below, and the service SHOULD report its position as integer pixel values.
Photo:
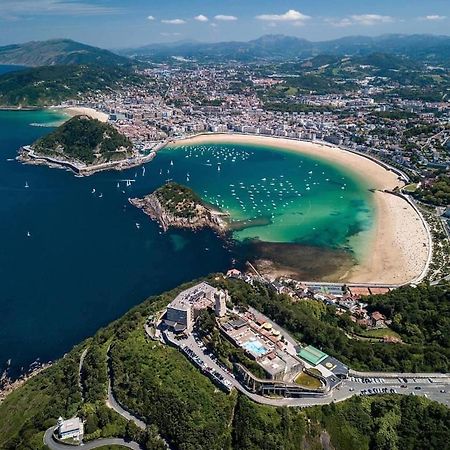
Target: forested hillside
(162, 387)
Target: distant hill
(50, 85)
(58, 52)
(427, 48)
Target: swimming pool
(255, 348)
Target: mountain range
(58, 52)
(428, 48)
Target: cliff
(174, 205)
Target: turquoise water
(255, 347)
(286, 197)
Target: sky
(130, 23)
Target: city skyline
(119, 24)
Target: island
(175, 205)
(85, 146)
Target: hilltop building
(70, 428)
(185, 308)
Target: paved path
(347, 389)
(113, 404)
(80, 368)
(54, 445)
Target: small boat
(28, 234)
(218, 168)
(160, 171)
(138, 225)
(100, 196)
(171, 162)
(93, 191)
(26, 184)
(118, 184)
(143, 170)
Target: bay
(75, 255)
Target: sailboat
(138, 225)
(171, 162)
(26, 184)
(28, 234)
(118, 184)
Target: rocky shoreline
(200, 215)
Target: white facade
(70, 428)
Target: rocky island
(174, 205)
(83, 145)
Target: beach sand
(90, 112)
(398, 247)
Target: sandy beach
(90, 112)
(398, 245)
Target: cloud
(23, 8)
(370, 19)
(290, 16)
(434, 17)
(201, 18)
(340, 23)
(173, 21)
(165, 34)
(150, 18)
(225, 18)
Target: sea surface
(75, 255)
(8, 68)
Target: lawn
(380, 333)
(410, 187)
(308, 381)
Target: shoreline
(390, 258)
(73, 111)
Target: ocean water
(85, 262)
(8, 68)
(74, 255)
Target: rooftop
(70, 425)
(186, 299)
(312, 355)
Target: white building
(185, 308)
(70, 428)
(220, 306)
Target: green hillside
(84, 139)
(58, 52)
(51, 85)
(161, 386)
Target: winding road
(52, 444)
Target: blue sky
(124, 23)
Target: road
(112, 403)
(54, 445)
(80, 368)
(347, 389)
